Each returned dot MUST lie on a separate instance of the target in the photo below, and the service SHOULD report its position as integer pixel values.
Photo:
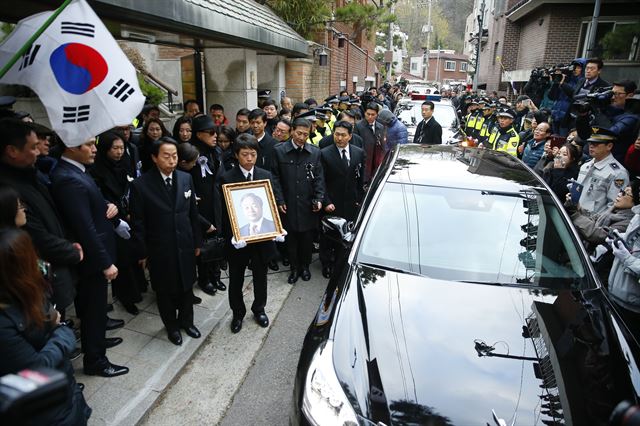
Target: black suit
(259, 254)
(266, 144)
(167, 232)
(83, 209)
(582, 84)
(328, 140)
(344, 189)
(429, 133)
(372, 145)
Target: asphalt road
(265, 395)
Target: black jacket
(266, 144)
(23, 346)
(205, 186)
(166, 229)
(298, 182)
(83, 210)
(328, 140)
(429, 133)
(266, 250)
(344, 185)
(46, 230)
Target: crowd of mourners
(141, 206)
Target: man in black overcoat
(239, 253)
(298, 183)
(372, 133)
(167, 235)
(343, 166)
(429, 131)
(206, 172)
(18, 154)
(87, 216)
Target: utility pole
(479, 40)
(390, 48)
(591, 39)
(426, 29)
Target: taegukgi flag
(76, 67)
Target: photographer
(524, 104)
(620, 122)
(538, 84)
(592, 80)
(564, 83)
(31, 334)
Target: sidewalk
(154, 362)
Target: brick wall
(445, 75)
(305, 78)
(534, 30)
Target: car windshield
(411, 114)
(472, 235)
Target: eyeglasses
(619, 94)
(626, 193)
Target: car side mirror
(338, 229)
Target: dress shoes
(208, 288)
(192, 331)
(219, 285)
(131, 308)
(326, 271)
(112, 324)
(236, 325)
(105, 369)
(273, 265)
(293, 277)
(109, 307)
(262, 319)
(285, 261)
(305, 274)
(196, 300)
(80, 386)
(175, 337)
(223, 265)
(110, 342)
(75, 354)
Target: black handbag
(212, 249)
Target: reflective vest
(471, 123)
(505, 140)
(478, 126)
(487, 127)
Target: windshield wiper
(387, 268)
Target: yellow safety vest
(506, 141)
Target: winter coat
(396, 134)
(624, 287)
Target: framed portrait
(252, 210)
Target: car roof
(460, 167)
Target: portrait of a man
(251, 205)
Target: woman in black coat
(31, 335)
(563, 168)
(111, 175)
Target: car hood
(405, 352)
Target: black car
(463, 296)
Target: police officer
(470, 118)
(489, 122)
(504, 137)
(298, 185)
(603, 177)
(480, 117)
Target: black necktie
(167, 183)
(248, 176)
(345, 160)
(373, 128)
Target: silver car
(409, 112)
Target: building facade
(446, 66)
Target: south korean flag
(76, 67)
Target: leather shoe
(131, 308)
(112, 324)
(175, 337)
(192, 331)
(105, 369)
(208, 288)
(110, 342)
(80, 386)
(293, 277)
(262, 319)
(109, 307)
(75, 354)
(305, 274)
(273, 265)
(219, 285)
(285, 261)
(326, 271)
(236, 325)
(195, 300)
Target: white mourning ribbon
(204, 166)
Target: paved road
(265, 395)
(245, 378)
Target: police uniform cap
(474, 101)
(507, 112)
(202, 123)
(333, 99)
(323, 109)
(309, 115)
(602, 135)
(344, 99)
(264, 93)
(7, 101)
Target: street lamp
(479, 41)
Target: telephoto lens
(625, 414)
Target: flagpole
(33, 38)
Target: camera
(599, 99)
(625, 414)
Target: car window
(472, 235)
(411, 114)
